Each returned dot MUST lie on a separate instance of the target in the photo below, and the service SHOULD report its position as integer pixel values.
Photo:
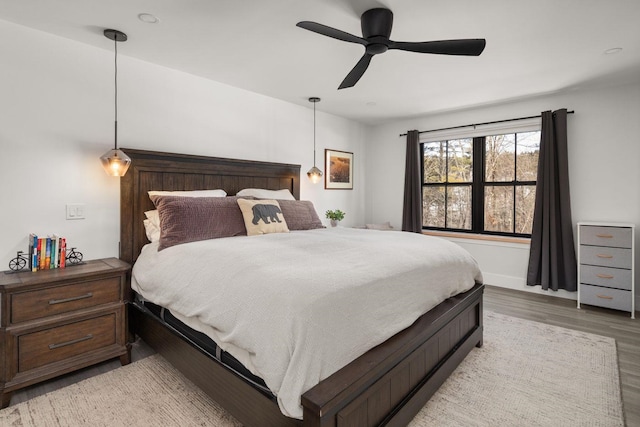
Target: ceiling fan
(376, 29)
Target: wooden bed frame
(388, 385)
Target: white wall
(56, 109)
(604, 155)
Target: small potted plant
(335, 216)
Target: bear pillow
(262, 217)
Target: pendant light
(314, 174)
(115, 162)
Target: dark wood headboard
(152, 170)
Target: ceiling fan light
(115, 162)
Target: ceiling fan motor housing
(376, 28)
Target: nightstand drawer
(605, 256)
(604, 276)
(605, 297)
(617, 237)
(56, 344)
(62, 299)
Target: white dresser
(606, 265)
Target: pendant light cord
(314, 134)
(115, 43)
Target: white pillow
(260, 193)
(194, 193)
(152, 225)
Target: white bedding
(296, 307)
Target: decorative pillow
(262, 217)
(259, 193)
(152, 225)
(189, 219)
(300, 215)
(194, 193)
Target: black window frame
(478, 186)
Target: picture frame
(338, 166)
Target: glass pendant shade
(115, 162)
(315, 175)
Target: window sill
(485, 237)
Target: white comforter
(296, 307)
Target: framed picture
(338, 167)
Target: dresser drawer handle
(604, 296)
(64, 344)
(605, 276)
(604, 236)
(604, 256)
(61, 301)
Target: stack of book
(46, 253)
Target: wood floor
(540, 308)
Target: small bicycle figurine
(74, 257)
(20, 261)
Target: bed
(387, 385)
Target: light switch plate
(75, 211)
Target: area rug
(526, 374)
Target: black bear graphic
(265, 213)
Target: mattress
(204, 343)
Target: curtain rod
(481, 124)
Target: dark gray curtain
(412, 206)
(552, 260)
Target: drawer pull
(604, 256)
(605, 276)
(61, 301)
(604, 296)
(605, 236)
(64, 344)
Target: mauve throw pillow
(186, 219)
(300, 214)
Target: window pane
(460, 155)
(500, 158)
(434, 161)
(459, 207)
(498, 209)
(528, 151)
(525, 202)
(433, 206)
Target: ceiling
(533, 47)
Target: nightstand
(56, 321)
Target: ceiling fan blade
(331, 32)
(357, 72)
(468, 47)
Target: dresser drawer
(63, 342)
(605, 276)
(605, 256)
(605, 297)
(617, 237)
(46, 302)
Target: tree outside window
(501, 198)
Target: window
(484, 184)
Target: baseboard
(519, 283)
